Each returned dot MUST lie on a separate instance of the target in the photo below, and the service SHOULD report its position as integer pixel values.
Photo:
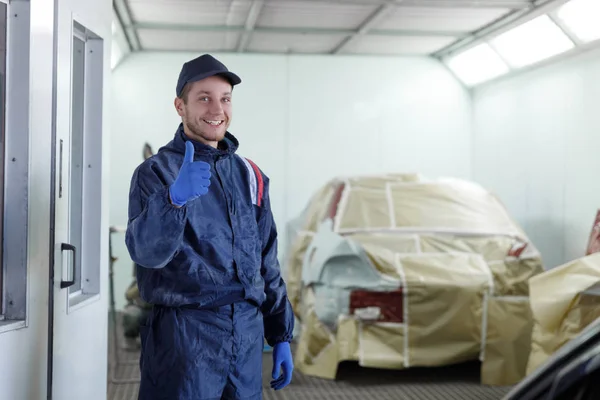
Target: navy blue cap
(203, 67)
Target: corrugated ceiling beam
(515, 18)
(121, 28)
(368, 24)
(124, 13)
(230, 13)
(282, 30)
(253, 14)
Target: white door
(25, 130)
(79, 342)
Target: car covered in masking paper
(399, 271)
(564, 302)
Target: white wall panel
(392, 115)
(536, 145)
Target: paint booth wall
(303, 120)
(536, 144)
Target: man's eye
(227, 100)
(203, 98)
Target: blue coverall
(210, 269)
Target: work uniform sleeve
(277, 309)
(155, 227)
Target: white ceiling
(400, 27)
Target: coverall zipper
(229, 215)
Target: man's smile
(217, 122)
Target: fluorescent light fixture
(581, 18)
(532, 42)
(478, 64)
(114, 27)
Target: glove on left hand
(282, 358)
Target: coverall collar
(226, 147)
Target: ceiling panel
(396, 45)
(309, 26)
(292, 43)
(190, 12)
(440, 19)
(314, 15)
(188, 40)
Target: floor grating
(459, 382)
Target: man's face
(206, 111)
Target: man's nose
(216, 107)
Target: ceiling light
(531, 42)
(478, 64)
(582, 18)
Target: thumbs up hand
(193, 179)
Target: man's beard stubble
(199, 134)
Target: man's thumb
(189, 152)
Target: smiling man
(202, 235)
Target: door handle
(70, 247)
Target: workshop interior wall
(535, 144)
(303, 119)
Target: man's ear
(178, 102)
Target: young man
(204, 240)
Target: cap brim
(230, 76)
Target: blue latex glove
(282, 359)
(193, 179)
